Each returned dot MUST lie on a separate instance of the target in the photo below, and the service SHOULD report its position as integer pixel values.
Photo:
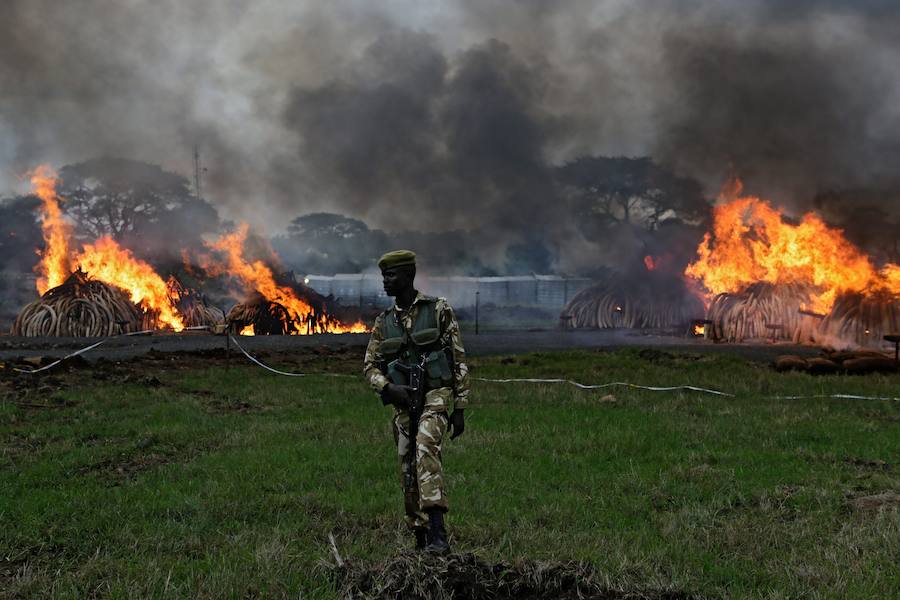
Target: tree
(329, 243)
(608, 192)
(146, 208)
(115, 196)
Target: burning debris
(862, 319)
(653, 300)
(112, 288)
(82, 307)
(259, 316)
(273, 307)
(770, 278)
(192, 306)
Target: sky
(440, 115)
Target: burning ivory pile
(82, 307)
(259, 316)
(192, 305)
(863, 319)
(653, 301)
(767, 311)
(760, 311)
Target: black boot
(421, 537)
(437, 535)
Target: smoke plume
(444, 116)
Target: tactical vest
(409, 347)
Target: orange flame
(649, 263)
(255, 275)
(104, 260)
(248, 330)
(699, 329)
(108, 262)
(751, 242)
(54, 266)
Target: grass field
(221, 482)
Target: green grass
(226, 482)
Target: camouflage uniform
(430, 491)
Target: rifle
(415, 376)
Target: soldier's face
(396, 280)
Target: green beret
(397, 258)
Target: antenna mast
(197, 172)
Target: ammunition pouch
(406, 348)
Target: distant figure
(416, 361)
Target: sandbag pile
(857, 362)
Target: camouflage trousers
(427, 489)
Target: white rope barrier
(276, 371)
(681, 387)
(608, 385)
(576, 384)
(263, 365)
(81, 351)
(835, 396)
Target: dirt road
(511, 342)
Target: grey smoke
(443, 116)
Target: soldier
(419, 329)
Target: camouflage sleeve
(450, 338)
(372, 363)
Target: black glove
(398, 395)
(457, 423)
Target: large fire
(256, 276)
(751, 242)
(104, 260)
(55, 265)
(108, 262)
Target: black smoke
(443, 117)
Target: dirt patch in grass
(417, 576)
(26, 388)
(233, 406)
(875, 502)
(656, 356)
(865, 464)
(147, 454)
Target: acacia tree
(115, 196)
(150, 210)
(608, 192)
(329, 243)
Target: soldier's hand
(457, 423)
(398, 395)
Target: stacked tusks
(747, 314)
(863, 319)
(266, 317)
(81, 307)
(620, 302)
